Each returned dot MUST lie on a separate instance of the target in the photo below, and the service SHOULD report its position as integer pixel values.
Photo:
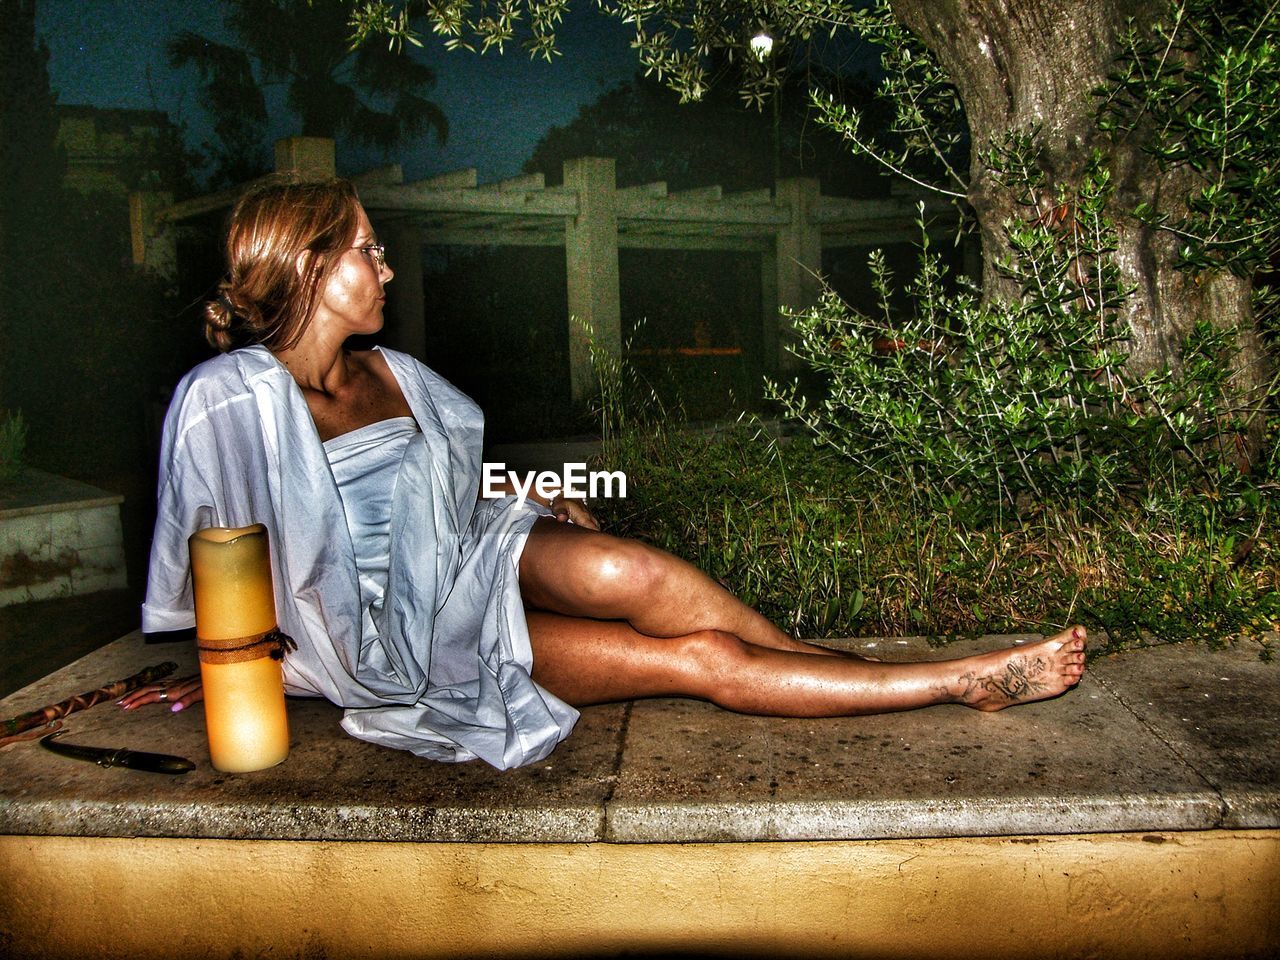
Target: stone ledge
(58, 537)
(34, 491)
(1155, 740)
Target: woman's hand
(573, 511)
(179, 694)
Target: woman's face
(353, 295)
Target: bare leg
(582, 573)
(593, 661)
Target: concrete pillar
(406, 327)
(311, 158)
(796, 263)
(770, 320)
(591, 259)
(154, 244)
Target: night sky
(111, 53)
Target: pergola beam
(453, 180)
(710, 194)
(677, 209)
(381, 175)
(526, 181)
(198, 206)
(507, 237)
(692, 241)
(657, 188)
(417, 197)
(764, 196)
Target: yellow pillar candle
(239, 648)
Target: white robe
(447, 673)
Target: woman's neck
(315, 366)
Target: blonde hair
(264, 297)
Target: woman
(448, 625)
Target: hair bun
(219, 315)
(225, 313)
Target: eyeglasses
(375, 250)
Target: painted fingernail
(176, 707)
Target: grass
(824, 551)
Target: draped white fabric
(446, 672)
(366, 464)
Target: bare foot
(1034, 671)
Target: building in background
(115, 150)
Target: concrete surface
(1154, 740)
(38, 638)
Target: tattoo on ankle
(1019, 680)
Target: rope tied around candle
(272, 643)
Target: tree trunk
(1024, 64)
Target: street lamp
(761, 45)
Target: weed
(13, 442)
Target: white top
(446, 673)
(365, 463)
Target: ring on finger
(164, 696)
